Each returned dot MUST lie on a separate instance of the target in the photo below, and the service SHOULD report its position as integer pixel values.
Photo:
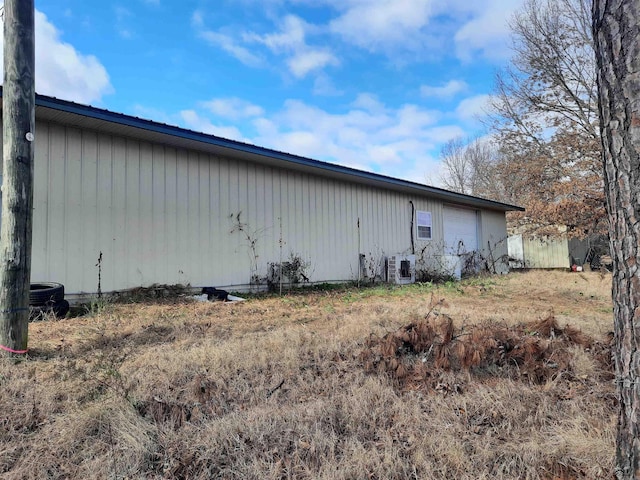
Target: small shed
(538, 252)
(543, 251)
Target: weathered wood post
(18, 122)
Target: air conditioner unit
(401, 269)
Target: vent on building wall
(401, 269)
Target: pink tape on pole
(11, 350)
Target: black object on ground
(214, 294)
(46, 299)
(41, 312)
(45, 292)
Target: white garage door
(460, 230)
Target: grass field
(311, 385)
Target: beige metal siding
(493, 239)
(162, 215)
(429, 253)
(544, 252)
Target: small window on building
(424, 225)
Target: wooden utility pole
(18, 122)
(616, 28)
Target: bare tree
(468, 167)
(545, 117)
(616, 27)
(458, 173)
(551, 82)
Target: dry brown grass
(278, 387)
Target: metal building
(146, 203)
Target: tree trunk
(18, 121)
(616, 26)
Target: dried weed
(274, 387)
(541, 351)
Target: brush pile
(418, 353)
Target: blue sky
(379, 85)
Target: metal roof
(88, 117)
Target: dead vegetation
(417, 354)
(338, 384)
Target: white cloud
(224, 41)
(409, 119)
(324, 86)
(62, 71)
(191, 119)
(444, 133)
(307, 61)
(487, 33)
(400, 29)
(366, 134)
(291, 36)
(471, 108)
(290, 41)
(197, 19)
(424, 170)
(229, 45)
(425, 27)
(380, 24)
(448, 90)
(369, 102)
(370, 135)
(384, 154)
(299, 115)
(122, 16)
(299, 142)
(233, 108)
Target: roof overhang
(86, 117)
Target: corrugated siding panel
(162, 215)
(88, 207)
(546, 252)
(221, 223)
(158, 240)
(119, 233)
(104, 204)
(57, 237)
(41, 177)
(428, 252)
(493, 238)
